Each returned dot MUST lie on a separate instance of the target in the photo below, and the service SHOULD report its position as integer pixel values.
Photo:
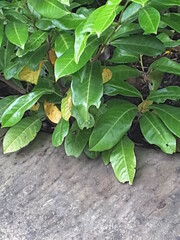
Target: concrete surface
(45, 195)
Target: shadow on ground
(45, 195)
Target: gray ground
(45, 195)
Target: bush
(93, 72)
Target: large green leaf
(21, 134)
(112, 125)
(16, 110)
(170, 116)
(161, 95)
(63, 42)
(5, 103)
(76, 140)
(115, 87)
(145, 45)
(130, 12)
(60, 132)
(142, 2)
(17, 33)
(149, 19)
(34, 42)
(65, 65)
(123, 160)
(123, 56)
(172, 20)
(44, 24)
(167, 65)
(155, 132)
(49, 8)
(167, 41)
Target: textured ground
(45, 195)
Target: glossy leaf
(1, 33)
(16, 110)
(34, 42)
(123, 56)
(145, 45)
(91, 155)
(123, 160)
(49, 8)
(60, 132)
(65, 65)
(170, 116)
(5, 103)
(155, 132)
(115, 87)
(167, 41)
(66, 2)
(106, 156)
(17, 33)
(21, 134)
(112, 126)
(167, 65)
(161, 95)
(168, 2)
(149, 19)
(172, 20)
(131, 11)
(63, 42)
(76, 140)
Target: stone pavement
(45, 195)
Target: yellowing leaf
(35, 107)
(143, 107)
(29, 75)
(66, 105)
(52, 112)
(52, 56)
(106, 75)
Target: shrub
(93, 71)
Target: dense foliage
(93, 71)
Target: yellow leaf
(29, 75)
(35, 107)
(52, 112)
(52, 56)
(66, 105)
(106, 75)
(143, 107)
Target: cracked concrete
(45, 195)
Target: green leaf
(5, 103)
(113, 88)
(60, 132)
(17, 33)
(112, 126)
(65, 65)
(89, 91)
(66, 2)
(167, 2)
(170, 116)
(21, 134)
(123, 160)
(91, 155)
(167, 65)
(44, 24)
(76, 140)
(69, 22)
(34, 42)
(63, 42)
(130, 12)
(106, 156)
(155, 78)
(49, 8)
(80, 42)
(142, 2)
(155, 132)
(1, 33)
(172, 20)
(145, 45)
(16, 110)
(161, 95)
(167, 41)
(123, 56)
(149, 19)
